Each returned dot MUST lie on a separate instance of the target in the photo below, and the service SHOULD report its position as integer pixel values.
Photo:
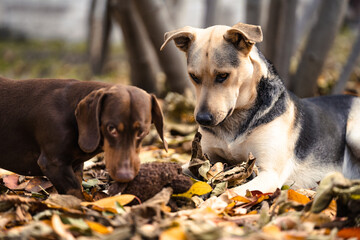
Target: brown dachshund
(50, 127)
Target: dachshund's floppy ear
(158, 119)
(182, 37)
(87, 116)
(244, 36)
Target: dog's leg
(61, 175)
(351, 165)
(78, 170)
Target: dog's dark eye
(221, 77)
(112, 130)
(196, 79)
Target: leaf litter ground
(163, 203)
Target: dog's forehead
(127, 105)
(211, 49)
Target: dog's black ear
(158, 119)
(244, 36)
(87, 115)
(182, 37)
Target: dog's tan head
(119, 117)
(223, 68)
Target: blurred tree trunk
(285, 39)
(176, 9)
(350, 64)
(272, 30)
(306, 20)
(99, 23)
(210, 12)
(143, 73)
(320, 40)
(157, 21)
(253, 11)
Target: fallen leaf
(204, 169)
(38, 184)
(78, 224)
(174, 233)
(67, 203)
(6, 218)
(198, 188)
(11, 181)
(271, 229)
(60, 228)
(241, 199)
(349, 233)
(297, 197)
(90, 183)
(215, 170)
(99, 228)
(219, 189)
(109, 203)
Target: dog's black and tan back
(242, 106)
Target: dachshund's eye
(221, 77)
(112, 130)
(195, 78)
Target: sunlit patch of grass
(56, 59)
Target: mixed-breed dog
(50, 126)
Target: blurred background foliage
(118, 41)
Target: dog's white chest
(224, 149)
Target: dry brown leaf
(11, 181)
(6, 218)
(37, 184)
(67, 203)
(215, 170)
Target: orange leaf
(349, 233)
(99, 228)
(175, 233)
(229, 206)
(297, 197)
(241, 199)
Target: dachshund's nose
(204, 118)
(124, 175)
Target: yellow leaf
(198, 188)
(175, 233)
(109, 203)
(297, 197)
(230, 206)
(99, 228)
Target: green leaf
(90, 183)
(76, 223)
(219, 189)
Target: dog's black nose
(204, 118)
